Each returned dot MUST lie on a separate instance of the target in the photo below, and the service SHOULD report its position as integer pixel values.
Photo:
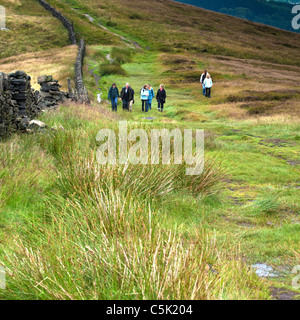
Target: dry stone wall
(80, 93)
(7, 106)
(50, 94)
(19, 103)
(68, 25)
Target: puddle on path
(264, 271)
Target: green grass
(263, 199)
(71, 229)
(121, 55)
(90, 212)
(114, 68)
(32, 29)
(183, 29)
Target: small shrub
(111, 24)
(165, 47)
(267, 203)
(108, 68)
(121, 55)
(135, 16)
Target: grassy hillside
(36, 43)
(174, 27)
(71, 229)
(31, 29)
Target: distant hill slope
(35, 43)
(273, 13)
(170, 26)
(166, 26)
(31, 27)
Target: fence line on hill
(67, 24)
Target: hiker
(151, 96)
(203, 77)
(127, 96)
(131, 99)
(144, 98)
(113, 95)
(208, 84)
(161, 98)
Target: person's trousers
(150, 104)
(130, 105)
(126, 105)
(114, 104)
(208, 92)
(160, 105)
(145, 105)
(204, 89)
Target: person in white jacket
(202, 78)
(208, 85)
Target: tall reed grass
(102, 232)
(112, 246)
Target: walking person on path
(161, 97)
(113, 95)
(208, 85)
(131, 99)
(151, 96)
(203, 77)
(127, 96)
(144, 98)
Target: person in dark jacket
(113, 95)
(161, 97)
(127, 96)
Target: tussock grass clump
(83, 174)
(15, 182)
(121, 55)
(267, 203)
(135, 16)
(112, 247)
(111, 24)
(113, 68)
(176, 60)
(248, 96)
(79, 172)
(208, 183)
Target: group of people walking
(147, 94)
(127, 97)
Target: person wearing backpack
(203, 77)
(161, 97)
(113, 95)
(208, 85)
(151, 96)
(144, 98)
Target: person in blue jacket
(151, 96)
(113, 95)
(144, 98)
